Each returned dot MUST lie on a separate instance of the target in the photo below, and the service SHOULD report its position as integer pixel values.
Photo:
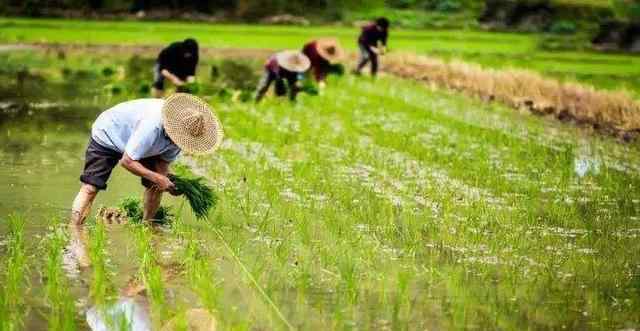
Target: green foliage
(62, 315)
(138, 67)
(200, 196)
(133, 209)
(144, 89)
(563, 27)
(309, 87)
(627, 9)
(448, 6)
(235, 74)
(13, 272)
(108, 71)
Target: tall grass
(13, 275)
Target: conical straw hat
(191, 124)
(330, 49)
(293, 61)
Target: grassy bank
(496, 50)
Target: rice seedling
(132, 208)
(384, 205)
(201, 197)
(14, 269)
(62, 315)
(200, 274)
(101, 288)
(150, 273)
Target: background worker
(283, 66)
(144, 136)
(372, 42)
(177, 63)
(323, 53)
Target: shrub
(448, 6)
(563, 27)
(108, 71)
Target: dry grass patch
(614, 112)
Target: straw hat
(191, 124)
(330, 50)
(293, 61)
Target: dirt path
(147, 50)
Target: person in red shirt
(323, 53)
(372, 42)
(284, 66)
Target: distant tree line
(240, 8)
(248, 9)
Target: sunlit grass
(63, 311)
(13, 276)
(101, 289)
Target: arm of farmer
(142, 139)
(173, 78)
(162, 182)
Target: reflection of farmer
(322, 53)
(144, 136)
(372, 42)
(284, 66)
(176, 63)
(132, 307)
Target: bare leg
(152, 199)
(263, 85)
(82, 204)
(78, 245)
(364, 58)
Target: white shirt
(135, 127)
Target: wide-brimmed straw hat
(293, 61)
(191, 124)
(330, 49)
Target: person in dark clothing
(176, 63)
(323, 53)
(286, 66)
(372, 42)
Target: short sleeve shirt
(136, 128)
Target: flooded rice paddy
(380, 205)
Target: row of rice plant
(13, 275)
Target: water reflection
(585, 162)
(132, 309)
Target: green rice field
(378, 205)
(492, 49)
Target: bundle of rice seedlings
(200, 196)
(132, 207)
(308, 87)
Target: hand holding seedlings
(163, 183)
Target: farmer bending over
(145, 136)
(176, 63)
(322, 53)
(284, 66)
(372, 42)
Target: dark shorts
(99, 161)
(158, 78)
